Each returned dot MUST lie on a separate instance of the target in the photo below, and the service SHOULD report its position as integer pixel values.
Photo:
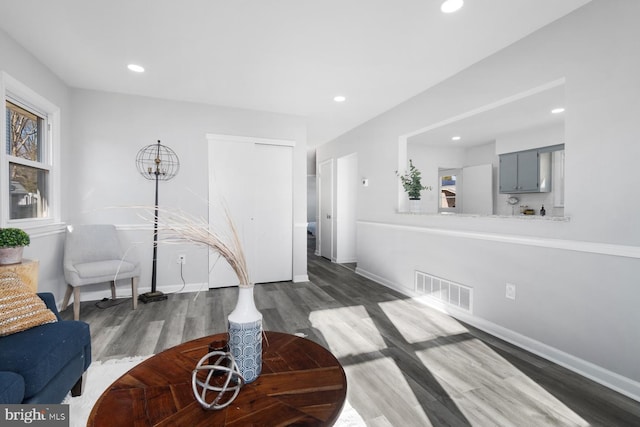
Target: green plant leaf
(411, 182)
(12, 237)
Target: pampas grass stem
(181, 227)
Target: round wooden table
(301, 383)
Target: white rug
(101, 374)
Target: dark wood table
(301, 384)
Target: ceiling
(521, 113)
(285, 56)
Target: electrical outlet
(182, 259)
(511, 291)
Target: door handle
(328, 216)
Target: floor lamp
(160, 163)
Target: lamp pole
(155, 228)
(156, 162)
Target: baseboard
(346, 260)
(379, 279)
(587, 369)
(300, 278)
(612, 380)
(125, 291)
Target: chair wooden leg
(134, 291)
(76, 303)
(67, 295)
(113, 289)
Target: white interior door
(325, 189)
(345, 209)
(254, 182)
(272, 257)
(226, 159)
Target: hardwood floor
(406, 364)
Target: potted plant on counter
(12, 243)
(411, 182)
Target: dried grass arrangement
(176, 226)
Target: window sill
(506, 217)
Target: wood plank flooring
(406, 364)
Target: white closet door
(272, 257)
(254, 182)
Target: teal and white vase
(245, 335)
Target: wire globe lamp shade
(157, 161)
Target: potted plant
(411, 181)
(12, 243)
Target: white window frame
(14, 91)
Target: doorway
(337, 211)
(325, 210)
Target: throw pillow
(20, 308)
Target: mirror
(470, 146)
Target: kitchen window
(449, 187)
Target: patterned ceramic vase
(245, 335)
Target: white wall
(530, 138)
(108, 131)
(312, 195)
(46, 243)
(577, 280)
(100, 136)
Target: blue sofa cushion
(11, 388)
(38, 354)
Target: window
(449, 190)
(27, 181)
(28, 174)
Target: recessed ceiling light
(557, 110)
(339, 98)
(455, 138)
(450, 6)
(136, 68)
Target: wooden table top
(301, 383)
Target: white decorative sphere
(221, 380)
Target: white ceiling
(286, 56)
(524, 112)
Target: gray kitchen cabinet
(525, 172)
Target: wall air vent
(444, 291)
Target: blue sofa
(42, 364)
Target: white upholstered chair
(93, 254)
